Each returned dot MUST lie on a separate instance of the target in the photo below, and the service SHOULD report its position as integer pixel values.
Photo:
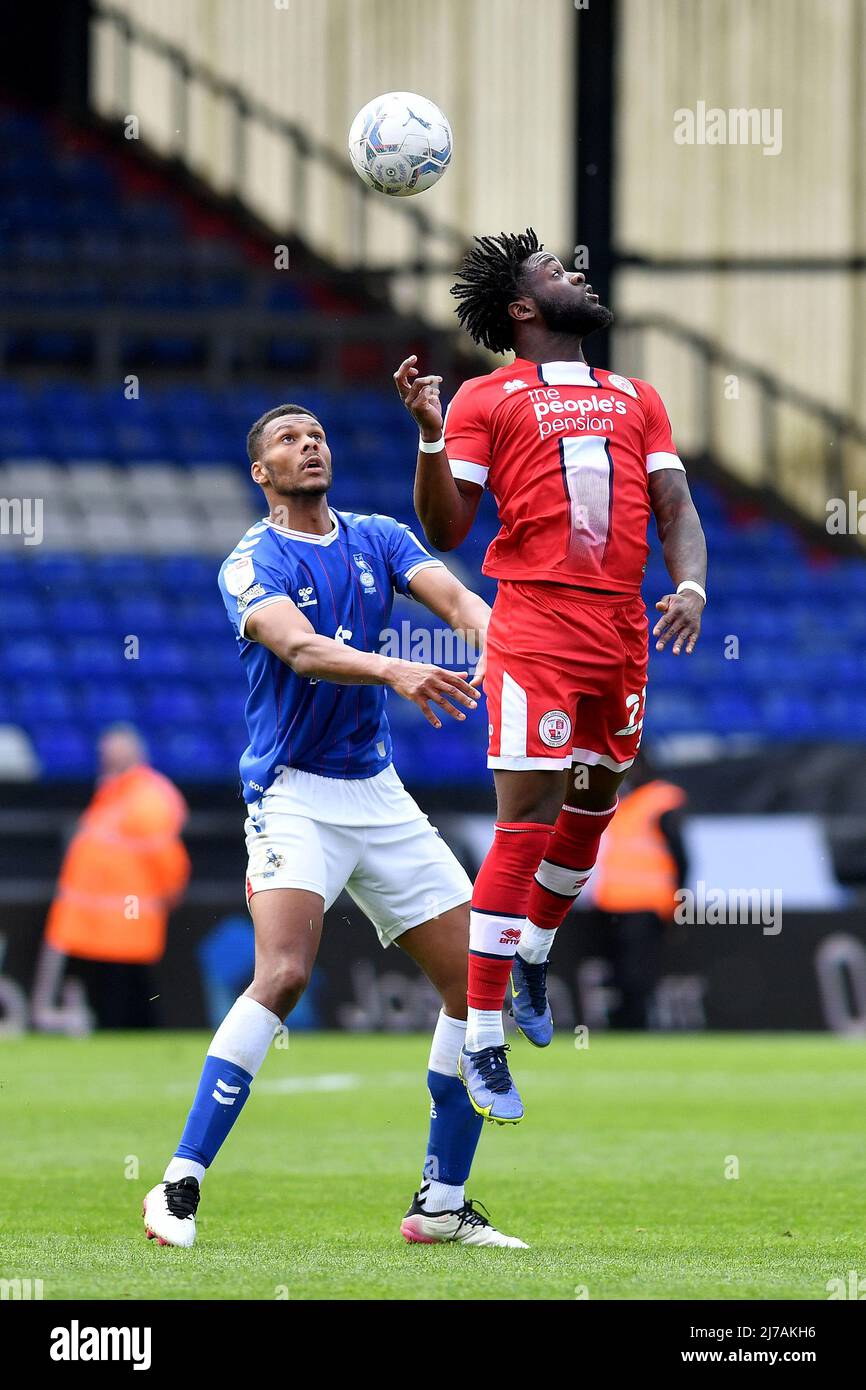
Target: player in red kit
(576, 458)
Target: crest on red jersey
(554, 728)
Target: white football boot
(467, 1226)
(169, 1212)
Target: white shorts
(389, 858)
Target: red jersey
(566, 450)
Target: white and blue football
(400, 144)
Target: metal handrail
(839, 430)
(306, 150)
(717, 355)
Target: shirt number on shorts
(635, 706)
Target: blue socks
(220, 1098)
(455, 1129)
(238, 1049)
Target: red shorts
(566, 677)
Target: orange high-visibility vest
(636, 871)
(124, 869)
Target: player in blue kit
(308, 591)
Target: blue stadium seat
(26, 655)
(193, 756)
(201, 617)
(175, 702)
(186, 574)
(789, 715)
(63, 750)
(141, 612)
(77, 613)
(15, 401)
(116, 575)
(23, 613)
(96, 656)
(67, 440)
(167, 656)
(140, 439)
(730, 712)
(60, 572)
(49, 698)
(105, 702)
(20, 438)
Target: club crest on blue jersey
(367, 578)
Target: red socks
(499, 904)
(532, 872)
(568, 859)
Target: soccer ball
(400, 144)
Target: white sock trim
(535, 943)
(566, 883)
(184, 1168)
(449, 1036)
(579, 811)
(245, 1034)
(439, 1196)
(484, 1029)
(492, 933)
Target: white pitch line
(298, 1085)
(322, 1083)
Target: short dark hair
(255, 435)
(490, 278)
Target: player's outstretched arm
(446, 505)
(284, 630)
(685, 552)
(464, 611)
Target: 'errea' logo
(77, 1343)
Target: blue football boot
(489, 1086)
(529, 1007)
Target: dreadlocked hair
(489, 280)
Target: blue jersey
(344, 585)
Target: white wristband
(431, 446)
(692, 584)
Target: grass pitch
(616, 1177)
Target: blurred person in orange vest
(641, 865)
(125, 869)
